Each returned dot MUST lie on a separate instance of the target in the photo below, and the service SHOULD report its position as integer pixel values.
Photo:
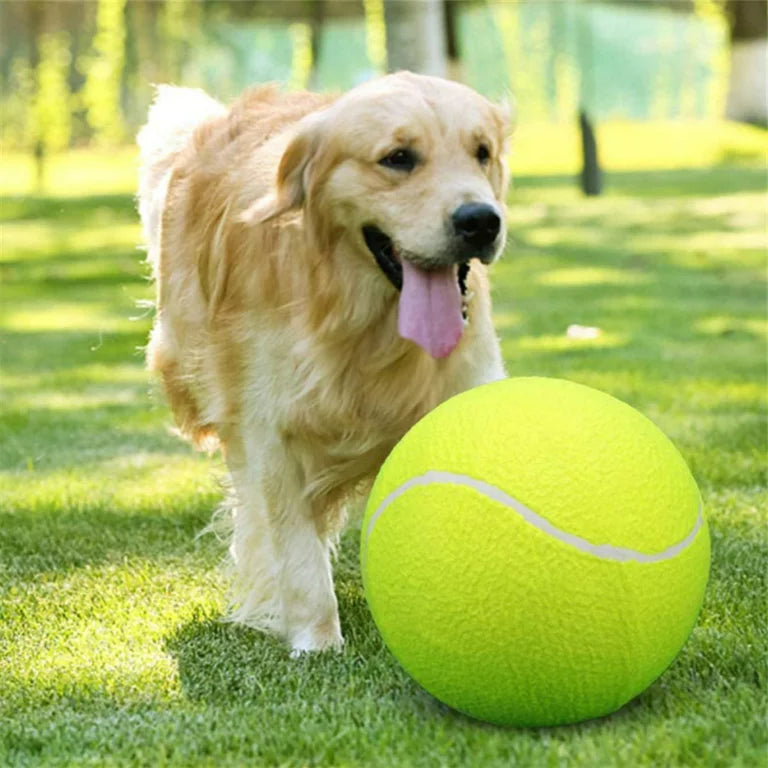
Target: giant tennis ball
(534, 552)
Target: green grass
(111, 649)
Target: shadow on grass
(74, 271)
(54, 352)
(36, 541)
(79, 437)
(221, 662)
(26, 208)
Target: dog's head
(409, 170)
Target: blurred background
(79, 74)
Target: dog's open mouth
(433, 303)
(383, 251)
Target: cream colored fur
(276, 331)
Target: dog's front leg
(305, 584)
(283, 563)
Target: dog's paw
(319, 637)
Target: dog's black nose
(476, 223)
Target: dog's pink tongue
(430, 309)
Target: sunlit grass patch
(592, 276)
(548, 149)
(124, 481)
(112, 621)
(727, 325)
(67, 316)
(96, 377)
(564, 342)
(75, 173)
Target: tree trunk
(316, 24)
(416, 36)
(451, 12)
(748, 82)
(35, 19)
(591, 175)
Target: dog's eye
(483, 154)
(399, 160)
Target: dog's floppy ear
(292, 173)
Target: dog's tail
(173, 117)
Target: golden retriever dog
(321, 284)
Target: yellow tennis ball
(534, 552)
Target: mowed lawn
(111, 646)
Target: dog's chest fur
(343, 404)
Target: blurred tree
(591, 175)
(302, 59)
(18, 71)
(51, 110)
(103, 71)
(173, 27)
(525, 72)
(712, 14)
(316, 24)
(140, 29)
(15, 113)
(35, 17)
(40, 106)
(416, 36)
(180, 27)
(452, 48)
(563, 69)
(375, 35)
(748, 81)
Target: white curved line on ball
(605, 551)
